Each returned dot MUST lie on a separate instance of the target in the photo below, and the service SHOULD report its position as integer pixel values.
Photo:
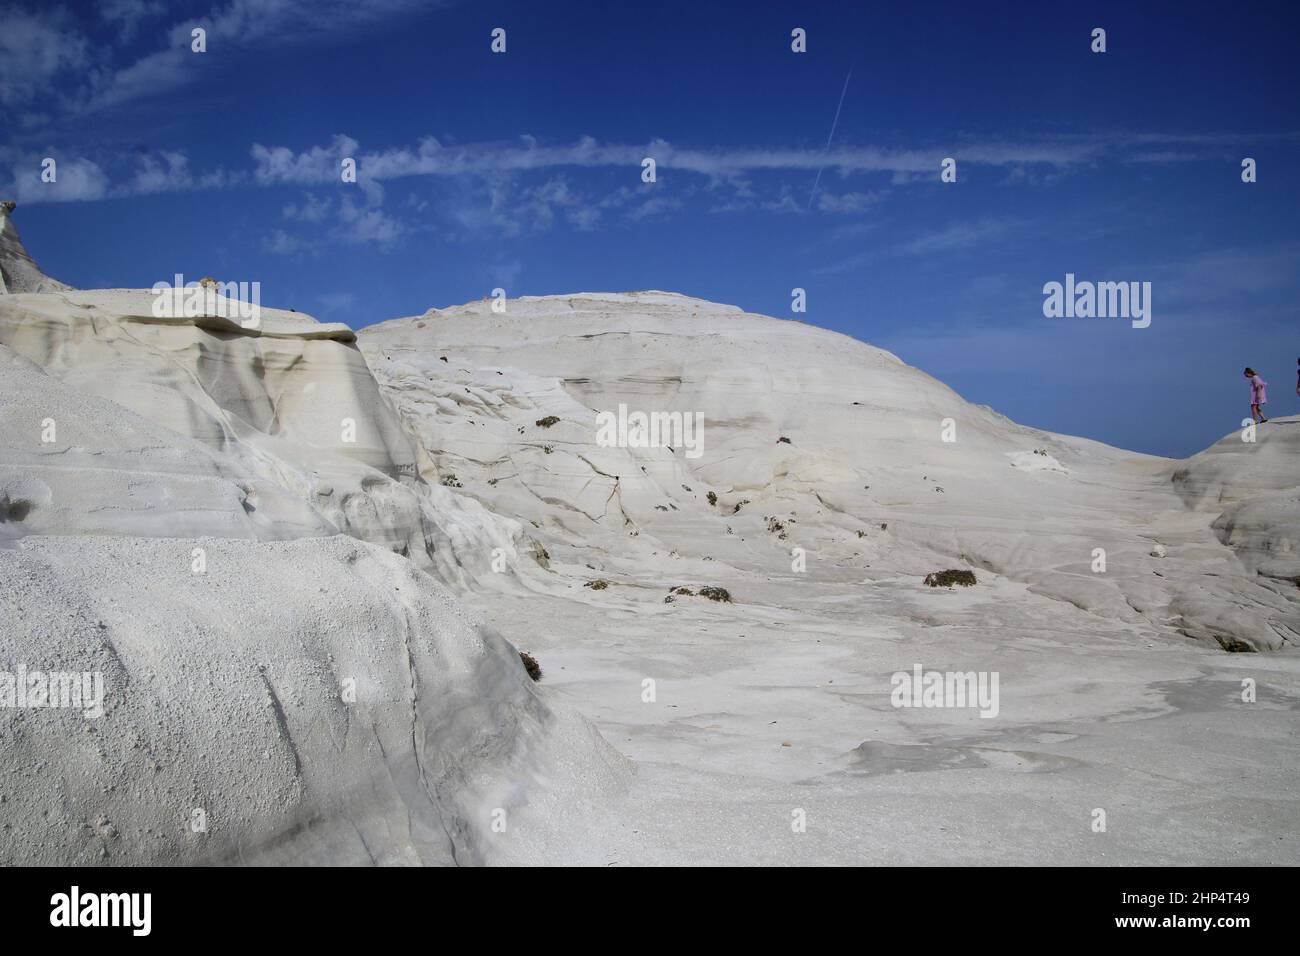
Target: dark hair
(1250, 371)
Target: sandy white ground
(397, 559)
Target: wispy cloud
(348, 220)
(851, 202)
(81, 179)
(733, 169)
(246, 26)
(45, 56)
(952, 238)
(958, 235)
(523, 186)
(429, 157)
(128, 15)
(76, 180)
(36, 50)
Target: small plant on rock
(1234, 645)
(946, 579)
(530, 664)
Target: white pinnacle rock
(18, 271)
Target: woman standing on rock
(1258, 396)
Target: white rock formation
(289, 406)
(181, 510)
(18, 271)
(865, 445)
(745, 718)
(183, 513)
(1250, 480)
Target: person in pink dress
(1258, 396)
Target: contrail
(835, 122)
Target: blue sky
(523, 170)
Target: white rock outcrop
(827, 437)
(231, 528)
(296, 555)
(18, 270)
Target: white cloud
(311, 209)
(241, 26)
(846, 202)
(353, 224)
(75, 179)
(320, 164)
(283, 244)
(959, 235)
(359, 226)
(169, 172)
(653, 208)
(79, 178)
(430, 158)
(950, 239)
(35, 53)
(129, 14)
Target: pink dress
(1257, 394)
